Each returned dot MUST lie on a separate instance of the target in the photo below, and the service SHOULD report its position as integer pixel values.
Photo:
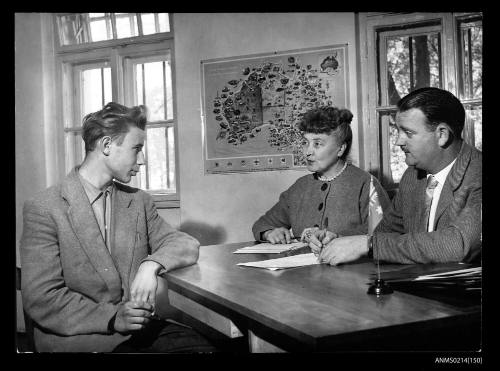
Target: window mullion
(469, 57)
(139, 24)
(410, 50)
(157, 23)
(167, 157)
(113, 25)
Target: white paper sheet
(286, 262)
(475, 271)
(269, 248)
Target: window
(83, 28)
(405, 52)
(132, 73)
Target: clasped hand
(137, 312)
(333, 249)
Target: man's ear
(444, 135)
(105, 144)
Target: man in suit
(436, 214)
(92, 249)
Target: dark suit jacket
(402, 237)
(71, 284)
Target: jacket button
(320, 206)
(324, 186)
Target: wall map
(252, 104)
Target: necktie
(429, 192)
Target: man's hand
(344, 250)
(278, 235)
(132, 316)
(319, 238)
(143, 288)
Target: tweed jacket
(402, 236)
(71, 283)
(341, 206)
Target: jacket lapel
(84, 224)
(453, 181)
(125, 216)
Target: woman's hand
(317, 238)
(278, 235)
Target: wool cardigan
(340, 206)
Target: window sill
(161, 203)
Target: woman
(334, 199)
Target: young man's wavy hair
(113, 120)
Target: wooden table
(313, 308)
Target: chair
(28, 322)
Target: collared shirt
(441, 178)
(100, 200)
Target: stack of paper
(458, 284)
(286, 262)
(269, 248)
(468, 279)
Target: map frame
(236, 76)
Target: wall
(35, 142)
(222, 208)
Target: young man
(92, 249)
(436, 214)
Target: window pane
(139, 86)
(396, 157)
(157, 158)
(153, 89)
(171, 159)
(98, 30)
(164, 22)
(472, 59)
(93, 87)
(475, 118)
(92, 91)
(412, 62)
(398, 164)
(108, 92)
(126, 26)
(148, 23)
(398, 68)
(72, 29)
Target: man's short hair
(438, 106)
(328, 119)
(113, 120)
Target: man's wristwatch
(370, 246)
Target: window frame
(114, 53)
(370, 25)
(90, 46)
